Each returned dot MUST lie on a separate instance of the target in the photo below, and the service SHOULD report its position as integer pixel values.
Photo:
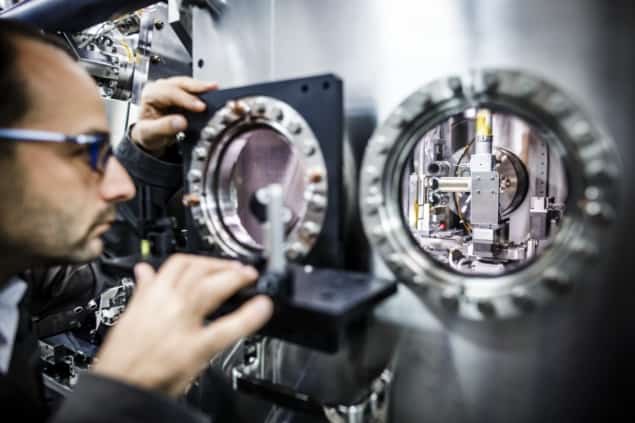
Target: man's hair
(14, 93)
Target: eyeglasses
(98, 143)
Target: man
(59, 189)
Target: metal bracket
(249, 378)
(373, 409)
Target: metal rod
(454, 184)
(275, 230)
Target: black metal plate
(319, 100)
(324, 307)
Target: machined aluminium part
(593, 174)
(514, 183)
(251, 364)
(373, 409)
(248, 144)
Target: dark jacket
(53, 291)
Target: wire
(129, 53)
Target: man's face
(57, 206)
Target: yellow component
(484, 123)
(145, 248)
(129, 52)
(416, 213)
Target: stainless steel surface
(118, 113)
(451, 369)
(6, 4)
(163, 53)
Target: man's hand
(155, 129)
(161, 341)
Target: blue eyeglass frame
(95, 142)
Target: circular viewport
(253, 160)
(483, 193)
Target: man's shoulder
(11, 293)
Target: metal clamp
(374, 409)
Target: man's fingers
(228, 329)
(201, 267)
(186, 271)
(193, 85)
(153, 134)
(164, 95)
(177, 92)
(174, 267)
(144, 273)
(211, 291)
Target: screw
(155, 59)
(592, 193)
(309, 149)
(315, 176)
(486, 308)
(158, 24)
(523, 302)
(295, 128)
(191, 200)
(450, 302)
(557, 285)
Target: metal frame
(587, 153)
(231, 120)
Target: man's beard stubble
(44, 236)
(106, 216)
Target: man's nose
(116, 185)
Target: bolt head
(190, 200)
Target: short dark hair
(14, 94)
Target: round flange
(212, 197)
(593, 196)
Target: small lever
(276, 281)
(274, 231)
